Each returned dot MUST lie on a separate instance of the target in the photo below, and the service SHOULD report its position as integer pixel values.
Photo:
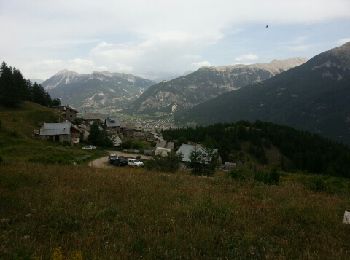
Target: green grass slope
(17, 142)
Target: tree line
(299, 150)
(15, 89)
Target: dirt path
(101, 163)
(104, 164)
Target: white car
(89, 147)
(135, 163)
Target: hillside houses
(63, 132)
(90, 118)
(74, 129)
(67, 113)
(113, 125)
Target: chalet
(67, 113)
(186, 150)
(113, 125)
(63, 132)
(163, 152)
(161, 144)
(133, 131)
(90, 118)
(170, 145)
(164, 148)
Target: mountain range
(314, 96)
(98, 91)
(206, 83)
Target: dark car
(118, 161)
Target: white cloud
(247, 58)
(41, 68)
(197, 65)
(299, 44)
(343, 41)
(140, 36)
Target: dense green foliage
(268, 177)
(14, 89)
(99, 137)
(170, 163)
(299, 150)
(135, 144)
(203, 163)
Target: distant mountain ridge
(98, 91)
(206, 83)
(314, 96)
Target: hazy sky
(158, 38)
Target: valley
(106, 154)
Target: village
(131, 143)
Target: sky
(159, 39)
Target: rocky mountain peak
(206, 83)
(66, 72)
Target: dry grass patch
(129, 213)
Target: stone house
(63, 132)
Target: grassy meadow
(53, 206)
(75, 212)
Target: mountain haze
(206, 83)
(314, 96)
(96, 91)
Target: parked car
(135, 163)
(112, 158)
(89, 147)
(118, 161)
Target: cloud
(343, 41)
(197, 65)
(299, 44)
(145, 37)
(169, 52)
(247, 58)
(50, 67)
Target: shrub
(203, 163)
(317, 184)
(166, 164)
(270, 178)
(238, 174)
(14, 134)
(135, 144)
(99, 137)
(258, 152)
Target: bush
(99, 137)
(258, 152)
(14, 134)
(238, 174)
(165, 164)
(135, 144)
(200, 164)
(317, 184)
(270, 178)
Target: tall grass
(76, 212)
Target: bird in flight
(267, 26)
